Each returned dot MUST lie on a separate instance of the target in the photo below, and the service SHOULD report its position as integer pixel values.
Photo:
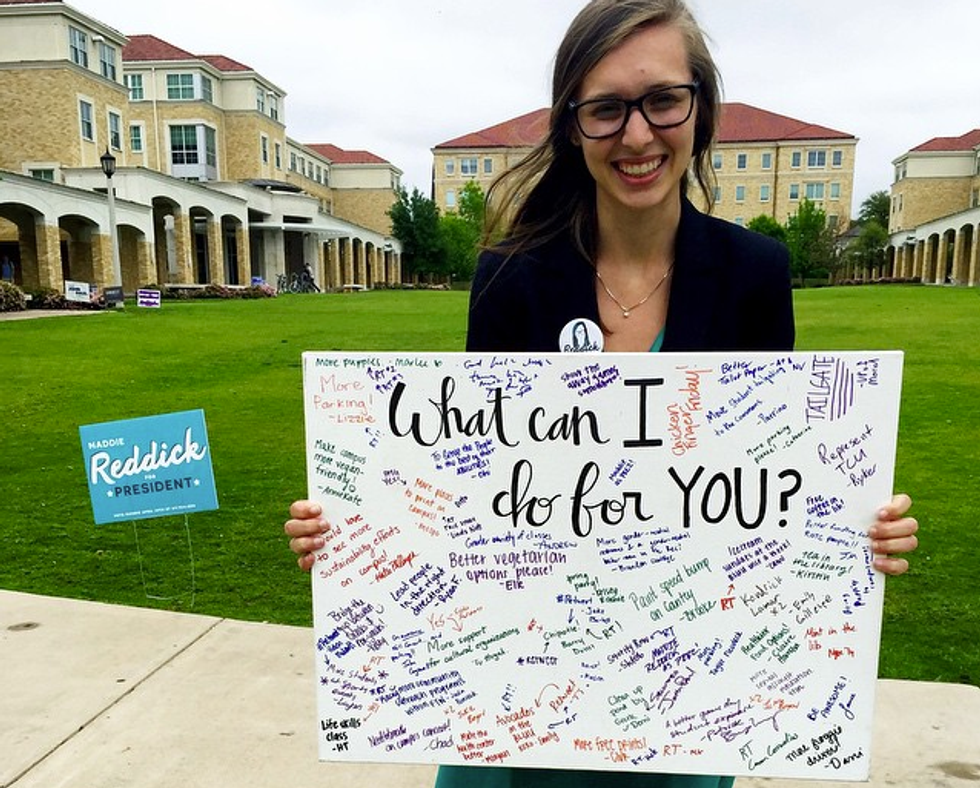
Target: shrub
(12, 298)
(47, 298)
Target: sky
(398, 77)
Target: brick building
(209, 187)
(935, 212)
(764, 163)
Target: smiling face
(640, 169)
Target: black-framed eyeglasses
(664, 108)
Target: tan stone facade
(366, 207)
(934, 224)
(42, 124)
(245, 154)
(772, 178)
(917, 201)
(453, 168)
(175, 121)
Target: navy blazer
(730, 291)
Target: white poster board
(607, 561)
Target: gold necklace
(627, 309)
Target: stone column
(101, 259)
(321, 264)
(974, 261)
(146, 271)
(244, 255)
(183, 246)
(362, 263)
(928, 273)
(334, 273)
(216, 251)
(959, 275)
(941, 261)
(347, 261)
(41, 260)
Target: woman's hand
(893, 534)
(306, 529)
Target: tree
(461, 241)
(472, 205)
(415, 222)
(868, 249)
(768, 226)
(461, 232)
(810, 242)
(877, 208)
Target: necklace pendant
(626, 313)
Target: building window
(741, 161)
(816, 159)
(207, 92)
(319, 174)
(183, 145)
(278, 156)
(467, 166)
(42, 175)
(136, 138)
(115, 130)
(78, 47)
(180, 87)
(488, 166)
(835, 191)
(450, 166)
(795, 160)
(975, 198)
(450, 199)
(264, 147)
(739, 194)
(740, 221)
(837, 159)
(274, 107)
(210, 147)
(767, 161)
(814, 191)
(260, 100)
(107, 61)
(135, 84)
(794, 191)
(764, 193)
(85, 115)
(716, 161)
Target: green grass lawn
(239, 361)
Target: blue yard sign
(149, 467)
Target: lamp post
(109, 168)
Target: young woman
(598, 229)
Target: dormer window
(78, 47)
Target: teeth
(638, 170)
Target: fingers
(306, 530)
(895, 508)
(305, 510)
(891, 566)
(893, 535)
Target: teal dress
(506, 777)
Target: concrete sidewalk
(98, 696)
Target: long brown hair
(551, 191)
